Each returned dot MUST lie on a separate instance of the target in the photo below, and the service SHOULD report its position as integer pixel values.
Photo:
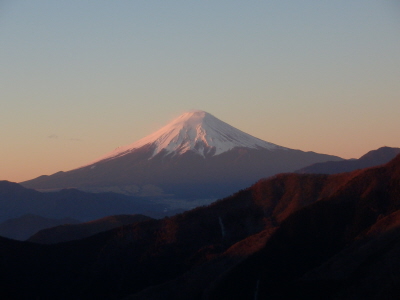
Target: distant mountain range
(16, 201)
(194, 156)
(291, 236)
(372, 158)
(21, 218)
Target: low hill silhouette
(23, 227)
(70, 232)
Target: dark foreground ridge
(72, 232)
(293, 236)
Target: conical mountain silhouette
(196, 131)
(195, 155)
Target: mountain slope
(289, 224)
(342, 247)
(71, 232)
(23, 227)
(129, 259)
(194, 156)
(372, 158)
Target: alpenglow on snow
(197, 131)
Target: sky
(80, 78)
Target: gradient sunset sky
(80, 78)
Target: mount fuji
(194, 156)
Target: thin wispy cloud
(57, 137)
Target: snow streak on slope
(197, 131)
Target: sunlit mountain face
(194, 156)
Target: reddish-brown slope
(361, 213)
(183, 256)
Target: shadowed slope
(70, 232)
(23, 227)
(372, 158)
(314, 234)
(182, 257)
(152, 252)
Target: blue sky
(80, 78)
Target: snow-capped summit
(196, 156)
(197, 131)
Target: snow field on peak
(197, 131)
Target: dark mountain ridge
(71, 232)
(171, 246)
(16, 201)
(23, 227)
(372, 158)
(340, 247)
(215, 252)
